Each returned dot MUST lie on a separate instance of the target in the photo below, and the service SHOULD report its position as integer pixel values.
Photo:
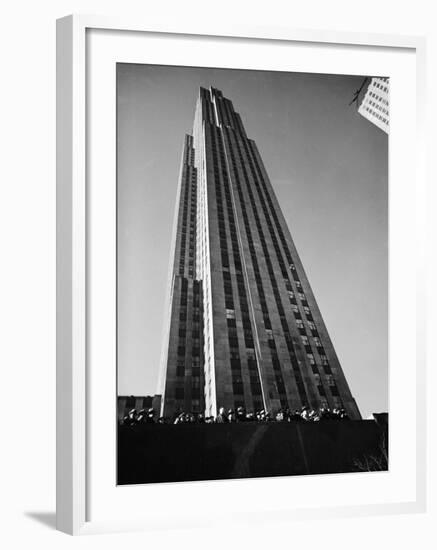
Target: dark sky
(329, 168)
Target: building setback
(244, 326)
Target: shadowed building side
(184, 344)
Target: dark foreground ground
(189, 452)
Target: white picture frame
(74, 465)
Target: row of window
(379, 98)
(254, 378)
(180, 393)
(278, 373)
(195, 356)
(302, 297)
(378, 107)
(381, 86)
(188, 201)
(279, 380)
(224, 197)
(377, 115)
(196, 353)
(281, 312)
(221, 200)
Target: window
(311, 358)
(248, 340)
(299, 323)
(305, 340)
(317, 341)
(179, 393)
(230, 314)
(312, 325)
(269, 333)
(227, 287)
(233, 340)
(251, 363)
(237, 388)
(180, 370)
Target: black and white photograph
(252, 273)
(219, 266)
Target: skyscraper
(375, 103)
(244, 326)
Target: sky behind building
(328, 166)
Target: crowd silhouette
(305, 414)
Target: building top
(214, 108)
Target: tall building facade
(244, 326)
(375, 103)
